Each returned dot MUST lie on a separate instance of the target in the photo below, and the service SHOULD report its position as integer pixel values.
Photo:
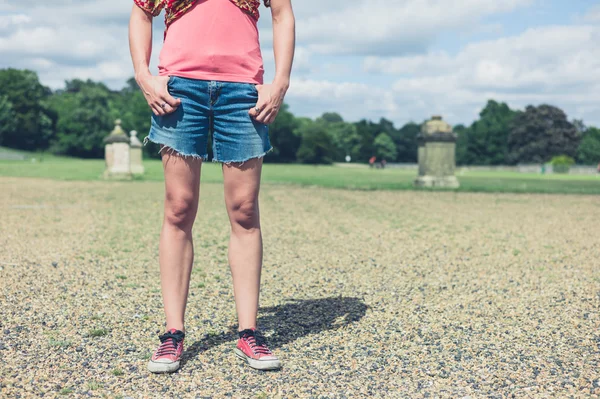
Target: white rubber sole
(258, 364)
(160, 368)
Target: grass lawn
(361, 178)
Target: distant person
(372, 161)
(383, 163)
(598, 169)
(211, 79)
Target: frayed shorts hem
(259, 156)
(174, 151)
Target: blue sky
(399, 59)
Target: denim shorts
(211, 107)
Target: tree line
(74, 121)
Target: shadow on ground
(290, 321)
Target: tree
(284, 137)
(7, 118)
(386, 126)
(589, 150)
(385, 147)
(84, 118)
(131, 107)
(344, 136)
(406, 142)
(461, 144)
(367, 131)
(33, 121)
(332, 117)
(579, 125)
(540, 133)
(317, 144)
(485, 141)
(345, 139)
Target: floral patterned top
(176, 8)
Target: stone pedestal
(117, 154)
(108, 156)
(135, 148)
(437, 159)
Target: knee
(244, 215)
(180, 211)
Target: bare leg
(176, 250)
(242, 184)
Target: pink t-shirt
(214, 40)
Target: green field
(359, 177)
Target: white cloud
(351, 100)
(556, 64)
(393, 27)
(59, 42)
(593, 15)
(361, 58)
(11, 21)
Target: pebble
(365, 294)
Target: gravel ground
(366, 294)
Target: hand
(155, 90)
(270, 98)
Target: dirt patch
(366, 294)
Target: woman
(211, 80)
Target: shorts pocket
(170, 81)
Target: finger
(170, 100)
(273, 114)
(154, 109)
(259, 117)
(165, 107)
(168, 109)
(254, 113)
(263, 114)
(158, 109)
(152, 106)
(271, 118)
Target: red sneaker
(252, 348)
(167, 356)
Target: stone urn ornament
(437, 155)
(116, 154)
(135, 154)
